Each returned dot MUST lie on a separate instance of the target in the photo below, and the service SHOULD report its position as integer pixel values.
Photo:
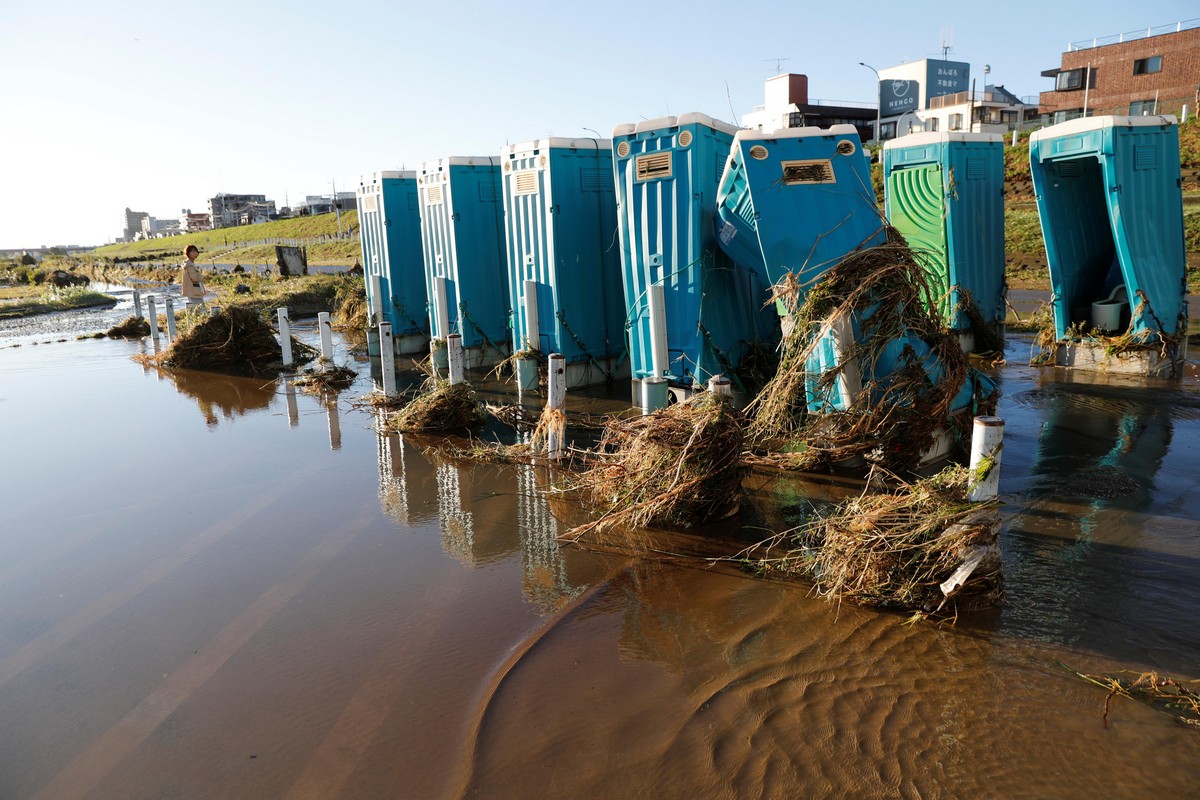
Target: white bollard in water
(719, 384)
(557, 399)
(533, 331)
(326, 328)
(454, 356)
(170, 312)
(376, 299)
(654, 394)
(987, 442)
(658, 329)
(137, 304)
(285, 336)
(153, 318)
(387, 359)
(441, 309)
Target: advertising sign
(947, 77)
(896, 97)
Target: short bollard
(153, 318)
(170, 312)
(454, 355)
(137, 304)
(557, 399)
(654, 394)
(987, 442)
(387, 359)
(285, 337)
(719, 385)
(326, 328)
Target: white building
(935, 95)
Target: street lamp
(878, 97)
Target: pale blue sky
(159, 105)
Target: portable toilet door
(462, 238)
(945, 195)
(666, 173)
(389, 222)
(1111, 209)
(564, 270)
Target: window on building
(955, 122)
(1142, 108)
(887, 130)
(1147, 66)
(1070, 80)
(931, 124)
(1008, 117)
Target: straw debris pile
(326, 380)
(882, 291)
(236, 340)
(1158, 691)
(132, 328)
(443, 408)
(676, 467)
(899, 549)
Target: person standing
(193, 288)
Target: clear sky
(159, 105)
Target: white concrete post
(841, 331)
(137, 304)
(555, 446)
(326, 328)
(153, 318)
(170, 312)
(376, 300)
(533, 330)
(454, 355)
(441, 309)
(987, 442)
(654, 394)
(214, 311)
(1014, 137)
(285, 336)
(658, 329)
(719, 384)
(387, 359)
(1183, 115)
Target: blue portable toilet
(945, 195)
(462, 238)
(389, 222)
(1110, 204)
(797, 200)
(667, 172)
(564, 269)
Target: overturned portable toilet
(945, 195)
(796, 201)
(564, 272)
(667, 172)
(462, 240)
(1108, 196)
(799, 203)
(389, 222)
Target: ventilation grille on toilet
(653, 166)
(801, 173)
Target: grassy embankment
(232, 245)
(25, 300)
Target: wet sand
(215, 587)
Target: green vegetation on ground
(26, 301)
(224, 242)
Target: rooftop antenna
(778, 64)
(947, 41)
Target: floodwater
(217, 587)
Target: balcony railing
(958, 98)
(1130, 36)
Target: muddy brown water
(214, 587)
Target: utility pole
(878, 98)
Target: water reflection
(543, 568)
(293, 411)
(455, 520)
(218, 395)
(335, 425)
(393, 474)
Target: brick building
(1151, 71)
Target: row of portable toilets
(559, 245)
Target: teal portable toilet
(564, 269)
(1110, 203)
(945, 195)
(389, 223)
(797, 200)
(666, 173)
(462, 237)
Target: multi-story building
(133, 224)
(994, 110)
(1149, 71)
(192, 223)
(788, 106)
(228, 210)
